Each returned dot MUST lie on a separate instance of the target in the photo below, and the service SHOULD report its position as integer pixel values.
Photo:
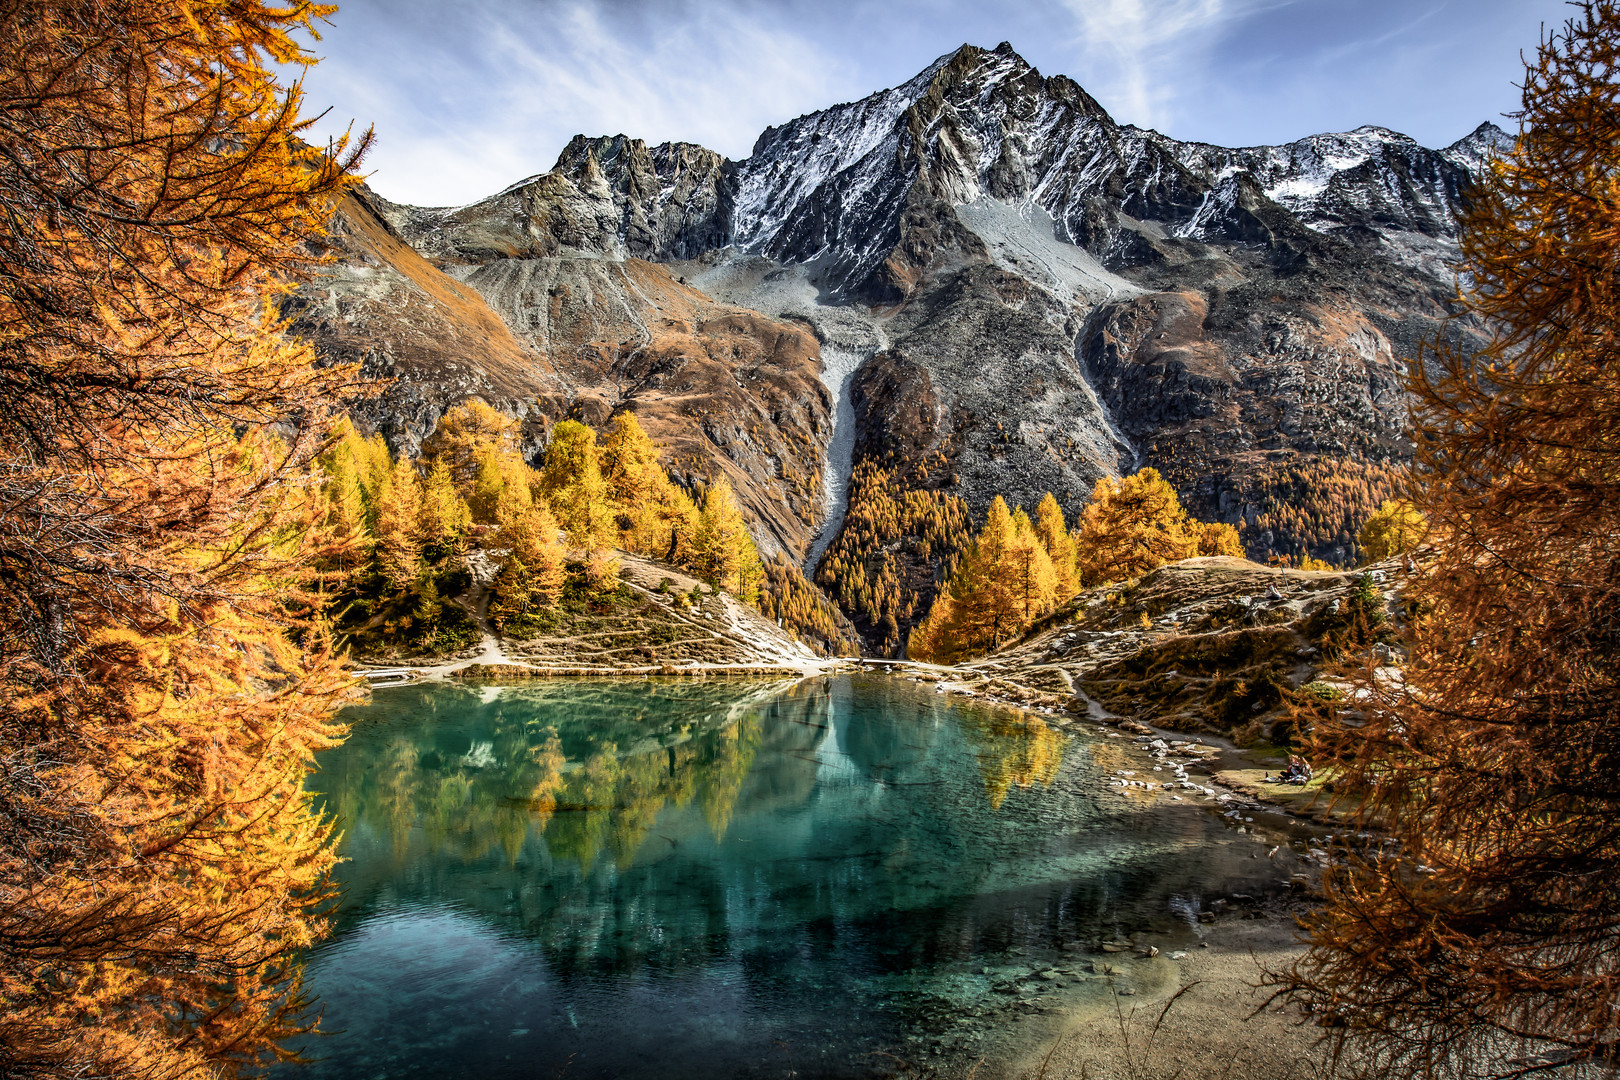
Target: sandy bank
(1208, 1021)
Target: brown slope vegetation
(1215, 645)
(728, 392)
(383, 306)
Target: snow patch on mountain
(837, 154)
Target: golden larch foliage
(801, 608)
(164, 679)
(1060, 546)
(1482, 942)
(572, 483)
(894, 551)
(1131, 526)
(1395, 528)
(1012, 573)
(725, 552)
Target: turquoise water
(846, 876)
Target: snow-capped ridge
(832, 189)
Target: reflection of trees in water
(610, 802)
(671, 910)
(568, 797)
(499, 774)
(1014, 750)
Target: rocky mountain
(978, 278)
(726, 390)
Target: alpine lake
(841, 876)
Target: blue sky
(470, 95)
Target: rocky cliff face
(728, 391)
(1005, 291)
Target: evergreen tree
(1394, 529)
(1483, 942)
(1060, 546)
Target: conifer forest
(965, 584)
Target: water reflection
(675, 878)
(501, 772)
(467, 772)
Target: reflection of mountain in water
(571, 797)
(746, 864)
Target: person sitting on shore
(1298, 772)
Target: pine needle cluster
(164, 677)
(1484, 943)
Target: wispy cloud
(1139, 55)
(498, 90)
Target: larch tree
(466, 435)
(399, 510)
(572, 483)
(1033, 578)
(991, 601)
(503, 489)
(345, 494)
(1395, 528)
(445, 518)
(1060, 546)
(1212, 538)
(163, 681)
(675, 525)
(1131, 526)
(629, 462)
(1485, 943)
(982, 604)
(726, 553)
(532, 568)
(637, 487)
